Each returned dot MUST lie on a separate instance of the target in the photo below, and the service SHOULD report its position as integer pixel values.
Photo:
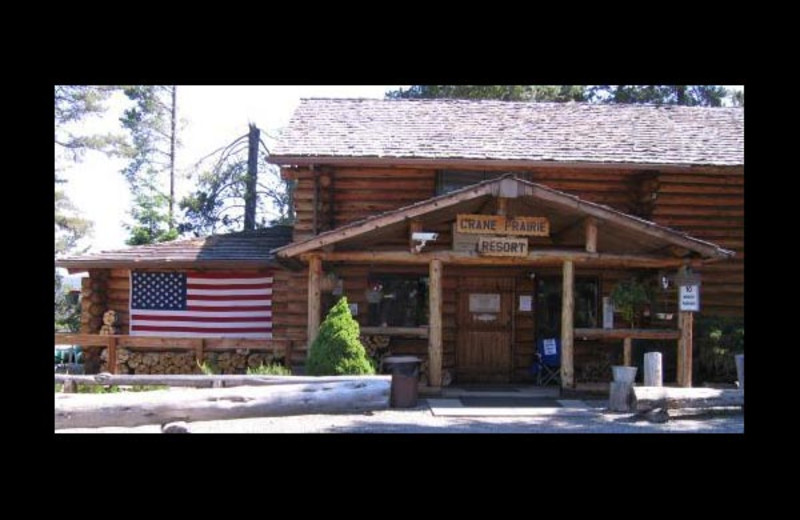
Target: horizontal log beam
(553, 258)
(179, 343)
(627, 333)
(417, 332)
(202, 381)
(164, 406)
(650, 397)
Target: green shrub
(717, 339)
(337, 349)
(274, 369)
(207, 368)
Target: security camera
(424, 237)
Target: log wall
(106, 289)
(707, 203)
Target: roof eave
(336, 160)
(77, 264)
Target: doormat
(508, 402)
(490, 389)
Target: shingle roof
(233, 249)
(466, 129)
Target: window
(548, 307)
(397, 301)
(451, 180)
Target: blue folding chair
(547, 361)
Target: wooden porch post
(627, 351)
(314, 297)
(435, 324)
(685, 323)
(591, 235)
(567, 331)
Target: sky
(214, 116)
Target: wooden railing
(198, 345)
(415, 332)
(627, 336)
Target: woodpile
(447, 375)
(183, 362)
(94, 300)
(376, 346)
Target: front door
(485, 329)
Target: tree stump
(619, 398)
(652, 369)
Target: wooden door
(485, 330)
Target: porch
(568, 235)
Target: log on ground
(165, 406)
(202, 381)
(650, 397)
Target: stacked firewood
(232, 362)
(447, 375)
(376, 346)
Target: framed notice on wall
(484, 303)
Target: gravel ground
(420, 420)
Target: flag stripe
(201, 319)
(226, 292)
(229, 298)
(208, 334)
(227, 275)
(207, 314)
(226, 331)
(214, 308)
(227, 303)
(193, 303)
(203, 325)
(229, 286)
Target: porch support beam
(435, 324)
(567, 331)
(415, 226)
(314, 297)
(542, 258)
(685, 323)
(591, 235)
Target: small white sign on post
(608, 313)
(689, 297)
(550, 347)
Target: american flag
(196, 303)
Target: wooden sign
(528, 226)
(689, 297)
(500, 225)
(462, 242)
(498, 246)
(481, 224)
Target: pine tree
(152, 125)
(337, 350)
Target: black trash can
(405, 378)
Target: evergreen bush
(337, 350)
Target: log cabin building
(467, 232)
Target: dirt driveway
(422, 420)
